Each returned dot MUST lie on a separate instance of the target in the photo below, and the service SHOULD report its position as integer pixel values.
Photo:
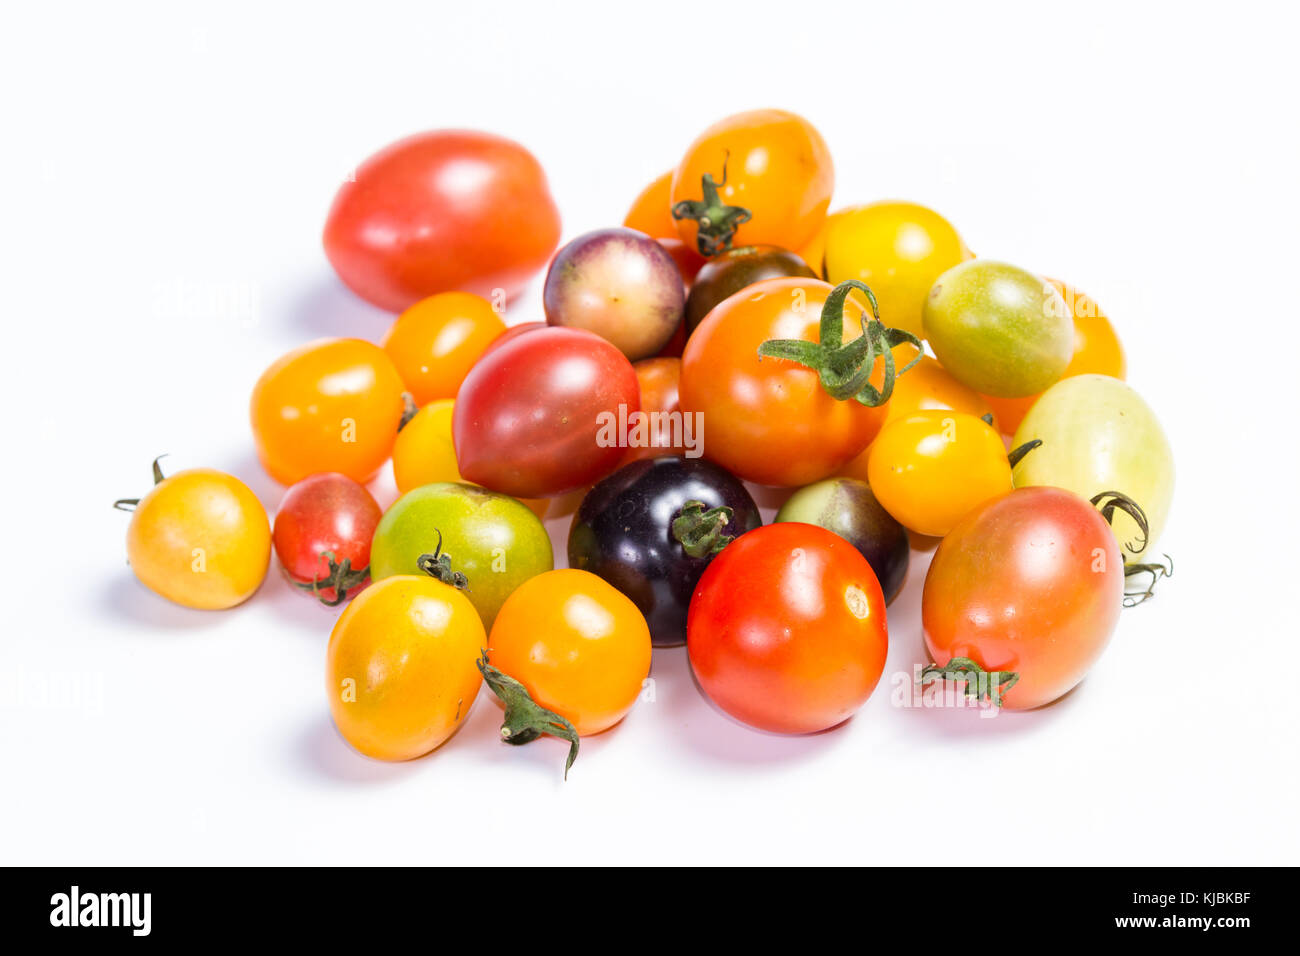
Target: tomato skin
(786, 629)
(532, 416)
(400, 675)
(200, 539)
(442, 211)
(435, 342)
(769, 420)
(659, 380)
(324, 513)
(1032, 582)
(581, 648)
(651, 213)
(330, 405)
(737, 269)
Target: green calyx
(526, 720)
(845, 369)
(342, 577)
(128, 504)
(716, 220)
(699, 529)
(978, 682)
(438, 566)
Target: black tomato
(727, 274)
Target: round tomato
(400, 670)
(199, 538)
(659, 380)
(435, 342)
(540, 415)
(738, 269)
(1029, 585)
(331, 405)
(758, 178)
(444, 211)
(786, 630)
(322, 536)
(423, 452)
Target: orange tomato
(651, 213)
(814, 251)
(400, 672)
(659, 379)
(777, 166)
(1097, 350)
(579, 646)
(435, 342)
(331, 405)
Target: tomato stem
(1107, 502)
(343, 578)
(438, 565)
(1157, 570)
(1014, 456)
(409, 410)
(717, 221)
(525, 719)
(698, 529)
(128, 504)
(978, 682)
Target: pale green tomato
(998, 329)
(1099, 435)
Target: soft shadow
(321, 750)
(125, 598)
(325, 307)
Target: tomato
(786, 630)
(579, 647)
(769, 182)
(1030, 584)
(322, 536)
(899, 249)
(1099, 435)
(423, 452)
(658, 380)
(494, 540)
(443, 211)
(738, 269)
(771, 420)
(538, 416)
(930, 469)
(331, 405)
(435, 342)
(399, 672)
(999, 329)
(199, 538)
(510, 334)
(651, 213)
(1096, 351)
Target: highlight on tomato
(435, 342)
(322, 535)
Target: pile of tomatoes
(731, 332)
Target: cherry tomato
(513, 332)
(322, 535)
(539, 416)
(400, 671)
(199, 538)
(331, 405)
(423, 452)
(444, 211)
(581, 648)
(435, 342)
(651, 213)
(738, 269)
(1032, 584)
(931, 469)
(786, 630)
(659, 379)
(772, 164)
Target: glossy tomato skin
(786, 631)
(736, 269)
(443, 211)
(651, 213)
(324, 514)
(659, 380)
(623, 533)
(1030, 583)
(538, 416)
(435, 342)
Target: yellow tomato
(814, 252)
(435, 342)
(424, 453)
(400, 671)
(200, 538)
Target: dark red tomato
(322, 535)
(545, 413)
(444, 211)
(1029, 584)
(786, 629)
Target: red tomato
(1032, 584)
(786, 629)
(539, 415)
(444, 211)
(322, 535)
(658, 379)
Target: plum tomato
(786, 631)
(435, 342)
(619, 284)
(1031, 585)
(400, 672)
(199, 538)
(651, 528)
(331, 405)
(538, 416)
(322, 536)
(443, 211)
(850, 509)
(737, 269)
(762, 177)
(496, 542)
(999, 329)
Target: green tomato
(1099, 435)
(494, 540)
(999, 329)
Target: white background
(165, 177)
